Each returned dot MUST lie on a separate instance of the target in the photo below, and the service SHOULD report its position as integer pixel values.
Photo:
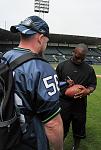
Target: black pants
(74, 112)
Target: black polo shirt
(83, 74)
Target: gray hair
(83, 46)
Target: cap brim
(22, 29)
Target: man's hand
(71, 82)
(83, 92)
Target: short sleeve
(92, 79)
(48, 91)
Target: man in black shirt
(74, 109)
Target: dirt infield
(98, 76)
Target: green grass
(97, 69)
(93, 125)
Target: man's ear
(40, 38)
(73, 51)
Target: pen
(69, 78)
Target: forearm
(54, 132)
(90, 90)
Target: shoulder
(43, 66)
(12, 55)
(89, 67)
(34, 65)
(64, 63)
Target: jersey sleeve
(47, 93)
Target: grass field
(93, 126)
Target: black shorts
(75, 114)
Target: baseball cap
(31, 26)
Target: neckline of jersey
(22, 49)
